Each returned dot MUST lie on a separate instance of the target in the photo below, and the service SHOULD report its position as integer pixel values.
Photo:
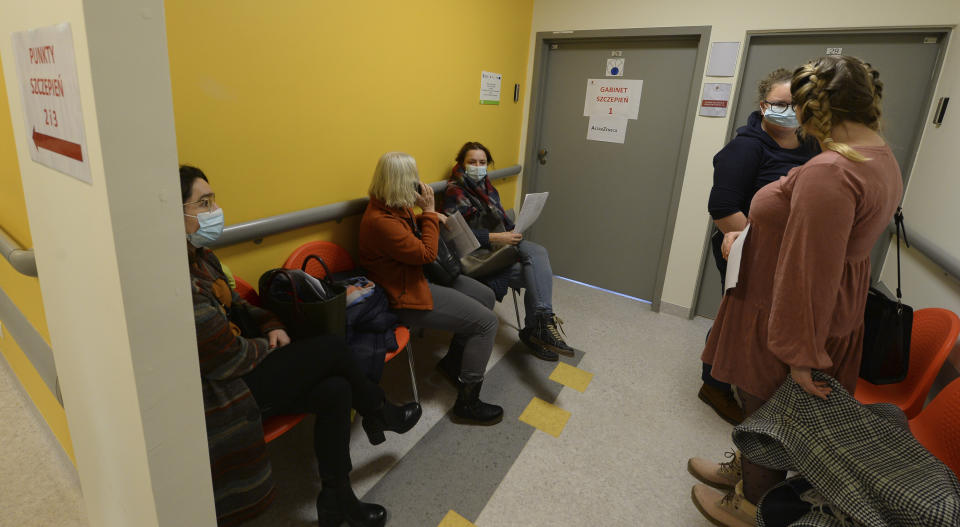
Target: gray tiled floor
(620, 460)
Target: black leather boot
(469, 409)
(450, 364)
(391, 418)
(337, 504)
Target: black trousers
(716, 241)
(317, 376)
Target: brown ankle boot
(722, 402)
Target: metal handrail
(21, 259)
(24, 262)
(263, 227)
(933, 252)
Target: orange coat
(393, 256)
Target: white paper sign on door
(47, 69)
(612, 97)
(607, 129)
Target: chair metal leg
(516, 307)
(413, 376)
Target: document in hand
(530, 211)
(733, 260)
(456, 231)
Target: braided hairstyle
(832, 89)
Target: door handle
(542, 156)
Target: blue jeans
(533, 273)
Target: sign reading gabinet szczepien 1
(47, 68)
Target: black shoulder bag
(886, 329)
(446, 268)
(308, 306)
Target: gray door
(907, 62)
(609, 212)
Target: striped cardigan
(242, 482)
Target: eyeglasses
(778, 107)
(206, 203)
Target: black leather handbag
(887, 325)
(446, 268)
(308, 306)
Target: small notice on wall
(612, 97)
(607, 129)
(615, 67)
(716, 99)
(47, 69)
(490, 87)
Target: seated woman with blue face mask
(470, 192)
(249, 367)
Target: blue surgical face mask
(787, 119)
(475, 172)
(211, 227)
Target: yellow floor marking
(452, 519)
(546, 417)
(571, 376)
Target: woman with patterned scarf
(470, 192)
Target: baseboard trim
(675, 310)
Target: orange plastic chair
(246, 291)
(937, 427)
(338, 260)
(934, 333)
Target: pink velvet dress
(805, 272)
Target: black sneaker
(549, 334)
(537, 350)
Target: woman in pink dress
(805, 267)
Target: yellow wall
(289, 106)
(23, 290)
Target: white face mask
(211, 227)
(475, 172)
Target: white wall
(932, 201)
(730, 21)
(111, 259)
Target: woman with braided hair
(805, 266)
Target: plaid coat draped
(865, 464)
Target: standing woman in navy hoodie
(762, 152)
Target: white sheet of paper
(609, 129)
(47, 69)
(715, 99)
(456, 231)
(733, 261)
(723, 59)
(612, 97)
(530, 210)
(490, 87)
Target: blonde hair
(833, 89)
(394, 178)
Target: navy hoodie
(749, 162)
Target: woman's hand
(425, 199)
(728, 240)
(815, 388)
(278, 338)
(506, 238)
(441, 216)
